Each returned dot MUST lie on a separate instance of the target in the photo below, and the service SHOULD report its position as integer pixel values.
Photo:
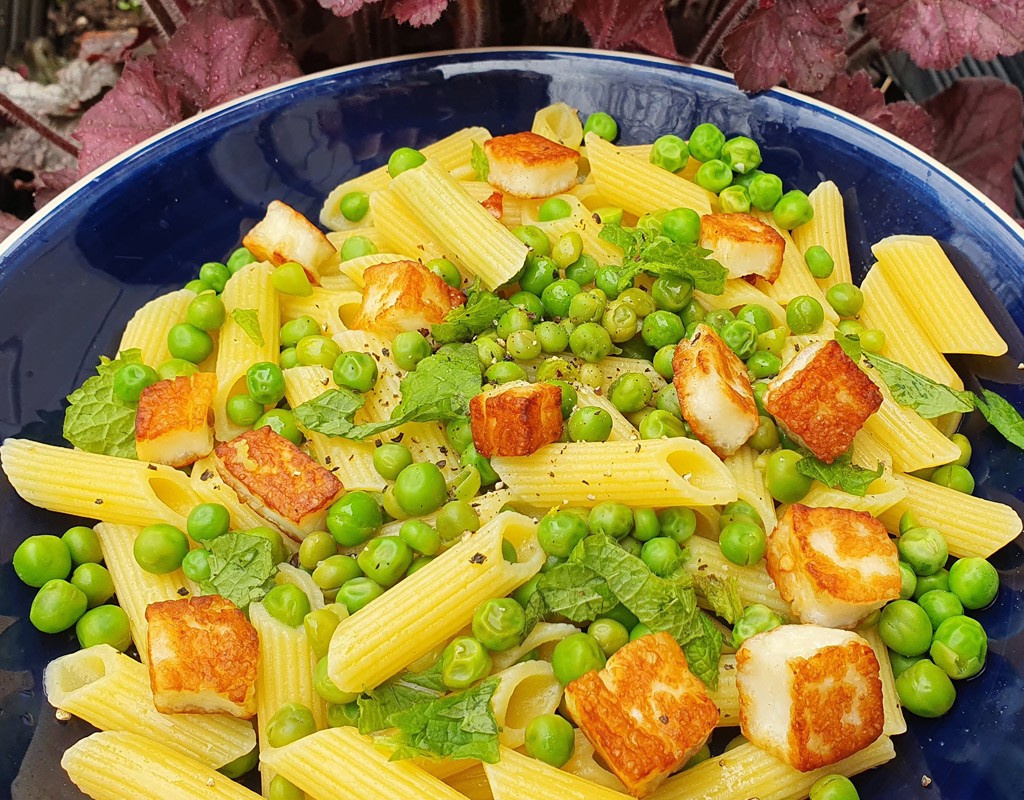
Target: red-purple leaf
(550, 10)
(939, 33)
(979, 128)
(625, 25)
(345, 8)
(799, 41)
(48, 185)
(137, 107)
(416, 12)
(213, 58)
(8, 224)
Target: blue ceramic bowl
(71, 278)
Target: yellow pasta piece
(726, 696)
(519, 777)
(481, 244)
(107, 488)
(373, 233)
(581, 220)
(111, 692)
(147, 329)
(209, 486)
(583, 764)
(971, 525)
(115, 765)
(451, 152)
(471, 783)
(751, 487)
(747, 771)
(739, 293)
(332, 310)
(439, 599)
(894, 723)
(794, 280)
(638, 186)
(339, 757)
(560, 123)
(753, 583)
(868, 452)
(665, 472)
(249, 290)
(354, 268)
(883, 493)
(402, 231)
(933, 292)
(543, 638)
(622, 428)
(135, 588)
(827, 229)
(905, 342)
(524, 691)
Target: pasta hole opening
(77, 672)
(693, 470)
(347, 313)
(533, 696)
(178, 497)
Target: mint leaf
(398, 694)
(241, 567)
(97, 420)
(850, 344)
(331, 414)
(722, 594)
(478, 160)
(912, 389)
(648, 251)
(480, 312)
(1002, 416)
(249, 321)
(460, 725)
(841, 474)
(573, 591)
(626, 239)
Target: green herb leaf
(573, 591)
(722, 594)
(480, 312)
(478, 160)
(841, 474)
(396, 695)
(241, 568)
(460, 725)
(1002, 416)
(928, 398)
(850, 344)
(249, 321)
(647, 251)
(97, 420)
(626, 239)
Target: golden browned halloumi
(173, 422)
(278, 481)
(743, 244)
(645, 712)
(714, 391)
(203, 656)
(823, 398)
(516, 419)
(810, 696)
(404, 296)
(528, 165)
(833, 565)
(285, 235)
(495, 204)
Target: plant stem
(167, 15)
(20, 116)
(731, 16)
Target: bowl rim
(29, 226)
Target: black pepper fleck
(207, 474)
(477, 558)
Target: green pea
(196, 565)
(471, 458)
(420, 536)
(104, 625)
(557, 296)
(574, 656)
(591, 376)
(609, 279)
(846, 299)
(83, 545)
(663, 361)
(404, 159)
(95, 583)
(505, 372)
(42, 558)
(551, 739)
(499, 623)
(343, 716)
(160, 548)
(667, 399)
(959, 647)
(215, 275)
(692, 314)
(756, 618)
(590, 342)
(639, 630)
(743, 543)
(240, 258)
(611, 519)
(719, 318)
(459, 433)
(357, 247)
(660, 424)
(678, 523)
(833, 787)
(335, 571)
(567, 249)
(927, 583)
(741, 154)
(699, 757)
(326, 688)
(940, 605)
(409, 348)
(669, 152)
(489, 351)
(515, 319)
(610, 635)
(528, 302)
(590, 424)
(741, 337)
(872, 340)
(287, 603)
(355, 371)
(189, 343)
(586, 307)
(208, 521)
(785, 483)
(661, 555)
(317, 350)
(131, 379)
(282, 422)
(804, 314)
(243, 410)
(739, 511)
(292, 722)
(765, 191)
(390, 459)
(456, 518)
(706, 142)
(385, 560)
(316, 547)
(681, 225)
(523, 345)
(793, 210)
(464, 661)
(760, 387)
(281, 788)
(553, 338)
(620, 321)
(954, 477)
(290, 278)
(277, 548)
(974, 581)
(630, 392)
(662, 328)
(908, 581)
(819, 263)
(583, 270)
(446, 271)
(908, 520)
(354, 205)
(559, 532)
(901, 663)
(670, 293)
(734, 200)
(57, 606)
(534, 238)
(265, 383)
(539, 273)
(904, 627)
(925, 689)
(288, 358)
(569, 396)
(355, 517)
(924, 549)
(358, 593)
(554, 208)
(713, 175)
(772, 341)
(600, 124)
(646, 525)
(766, 437)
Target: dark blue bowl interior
(145, 225)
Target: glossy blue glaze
(70, 283)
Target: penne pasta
(726, 696)
(750, 485)
(582, 221)
(884, 493)
(543, 637)
(754, 583)
(622, 428)
(147, 329)
(471, 783)
(524, 691)
(354, 268)
(560, 123)
(739, 293)
(519, 777)
(333, 311)
(400, 230)
(895, 723)
(794, 279)
(827, 229)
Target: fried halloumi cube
(203, 656)
(173, 421)
(833, 565)
(714, 391)
(404, 296)
(744, 245)
(277, 480)
(645, 712)
(516, 419)
(285, 235)
(495, 204)
(823, 398)
(810, 696)
(528, 165)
